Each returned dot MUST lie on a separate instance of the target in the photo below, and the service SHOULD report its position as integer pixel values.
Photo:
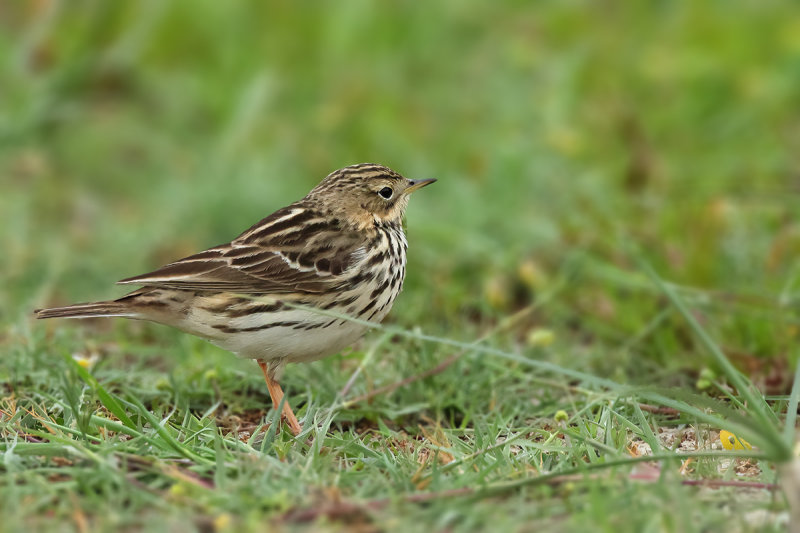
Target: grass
(605, 268)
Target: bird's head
(366, 194)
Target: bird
(286, 289)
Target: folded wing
(296, 249)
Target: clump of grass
(381, 461)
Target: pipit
(282, 291)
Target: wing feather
(296, 249)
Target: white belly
(295, 343)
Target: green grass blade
(789, 428)
(105, 397)
(166, 436)
(755, 402)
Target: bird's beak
(417, 184)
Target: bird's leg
(276, 393)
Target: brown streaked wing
(292, 250)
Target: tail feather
(89, 310)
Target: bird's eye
(386, 192)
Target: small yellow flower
(222, 522)
(732, 442)
(531, 274)
(541, 337)
(85, 361)
(178, 490)
(497, 292)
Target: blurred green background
(562, 134)
(570, 140)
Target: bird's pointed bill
(418, 184)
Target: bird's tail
(90, 310)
